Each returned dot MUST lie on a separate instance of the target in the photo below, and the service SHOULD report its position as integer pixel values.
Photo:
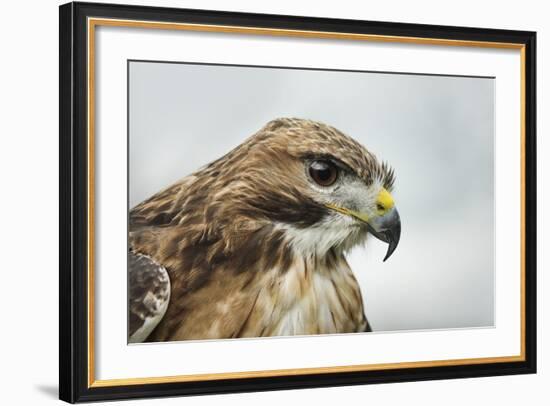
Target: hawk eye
(324, 173)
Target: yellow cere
(384, 201)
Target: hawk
(254, 243)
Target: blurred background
(436, 131)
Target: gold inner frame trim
(94, 22)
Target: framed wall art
(256, 202)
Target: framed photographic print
(256, 202)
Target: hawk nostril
(380, 207)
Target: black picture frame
(74, 385)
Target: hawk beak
(385, 225)
(387, 228)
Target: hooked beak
(387, 228)
(385, 225)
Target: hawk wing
(206, 298)
(148, 296)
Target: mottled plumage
(149, 292)
(254, 247)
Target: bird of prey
(254, 243)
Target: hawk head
(294, 184)
(318, 186)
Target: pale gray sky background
(437, 132)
